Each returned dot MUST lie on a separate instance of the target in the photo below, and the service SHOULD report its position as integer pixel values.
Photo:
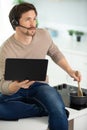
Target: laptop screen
(23, 69)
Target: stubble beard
(30, 32)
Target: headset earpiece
(15, 22)
(13, 17)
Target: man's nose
(32, 23)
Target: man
(30, 98)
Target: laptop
(25, 69)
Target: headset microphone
(15, 23)
(23, 26)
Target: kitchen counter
(78, 119)
(76, 113)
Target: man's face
(28, 20)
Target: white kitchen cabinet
(80, 123)
(78, 119)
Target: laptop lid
(22, 69)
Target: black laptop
(23, 69)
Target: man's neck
(26, 40)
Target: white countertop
(76, 113)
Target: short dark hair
(17, 11)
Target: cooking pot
(78, 100)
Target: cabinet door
(80, 123)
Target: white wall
(5, 27)
(72, 12)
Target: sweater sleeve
(55, 53)
(3, 84)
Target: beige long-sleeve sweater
(40, 46)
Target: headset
(14, 22)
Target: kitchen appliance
(65, 90)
